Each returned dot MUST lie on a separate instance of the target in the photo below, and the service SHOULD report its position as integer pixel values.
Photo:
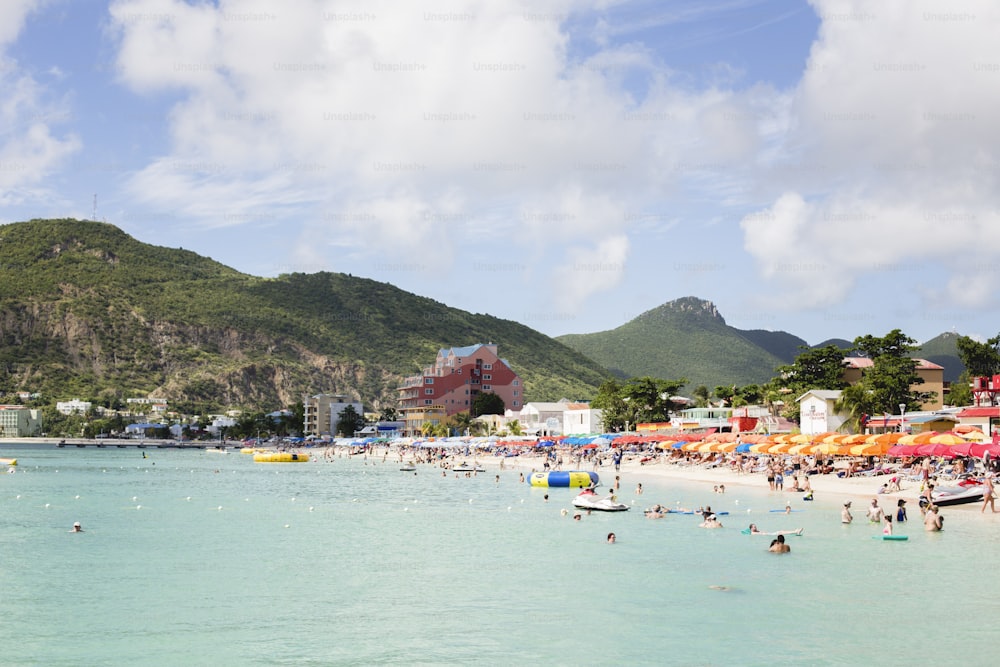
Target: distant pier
(146, 443)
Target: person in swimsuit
(932, 521)
(778, 545)
(845, 514)
(900, 511)
(887, 524)
(988, 498)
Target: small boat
(955, 495)
(408, 468)
(465, 467)
(592, 501)
(217, 450)
(8, 462)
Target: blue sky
(827, 168)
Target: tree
(388, 414)
(637, 400)
(297, 421)
(514, 428)
(349, 421)
(487, 403)
(887, 383)
(813, 368)
(980, 359)
(701, 396)
(961, 392)
(462, 422)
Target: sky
(827, 168)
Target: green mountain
(87, 311)
(943, 351)
(688, 338)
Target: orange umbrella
(800, 439)
(802, 449)
(761, 447)
(780, 448)
(855, 439)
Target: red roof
(993, 411)
(865, 362)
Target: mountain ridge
(85, 309)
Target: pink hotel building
(457, 376)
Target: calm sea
(195, 558)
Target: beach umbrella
(760, 447)
(854, 438)
(800, 439)
(931, 449)
(727, 447)
(976, 449)
(801, 449)
(900, 450)
(947, 439)
(744, 447)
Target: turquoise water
(355, 562)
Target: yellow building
(931, 378)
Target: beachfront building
(985, 418)
(17, 421)
(696, 419)
(540, 418)
(322, 412)
(581, 419)
(817, 413)
(74, 407)
(415, 418)
(931, 378)
(458, 375)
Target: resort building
(537, 418)
(76, 406)
(817, 413)
(931, 378)
(581, 419)
(322, 412)
(458, 375)
(985, 418)
(17, 421)
(415, 418)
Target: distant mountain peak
(688, 305)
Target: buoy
(406, 509)
(293, 500)
(737, 502)
(220, 507)
(138, 507)
(78, 497)
(286, 525)
(46, 505)
(134, 498)
(310, 509)
(188, 499)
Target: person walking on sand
(988, 495)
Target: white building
(581, 419)
(76, 406)
(816, 411)
(537, 418)
(17, 421)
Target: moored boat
(592, 501)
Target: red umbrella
(931, 449)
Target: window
(459, 371)
(487, 387)
(487, 367)
(429, 391)
(516, 382)
(515, 392)
(428, 401)
(487, 377)
(515, 404)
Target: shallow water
(201, 559)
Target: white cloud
(419, 129)
(29, 149)
(890, 155)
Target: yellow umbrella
(705, 447)
(856, 439)
(947, 439)
(800, 439)
(780, 448)
(801, 449)
(761, 447)
(727, 447)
